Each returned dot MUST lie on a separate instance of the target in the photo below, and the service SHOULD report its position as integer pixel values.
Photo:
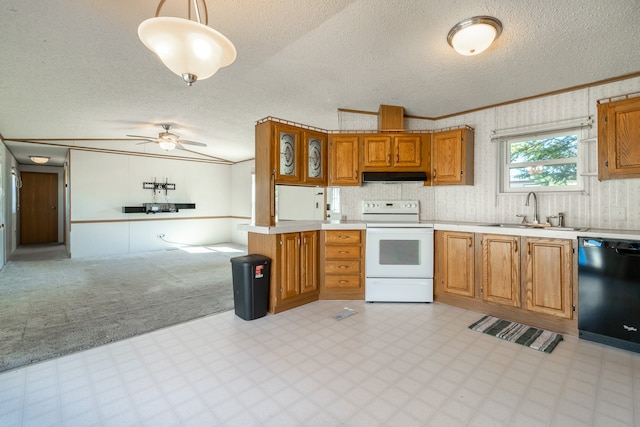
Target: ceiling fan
(168, 141)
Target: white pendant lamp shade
(190, 49)
(474, 35)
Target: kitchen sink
(537, 227)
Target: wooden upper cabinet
(392, 152)
(377, 151)
(501, 269)
(390, 117)
(407, 151)
(314, 157)
(344, 160)
(549, 276)
(265, 186)
(619, 139)
(288, 154)
(452, 157)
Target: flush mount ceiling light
(41, 160)
(474, 35)
(189, 48)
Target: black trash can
(251, 285)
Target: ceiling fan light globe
(167, 145)
(187, 47)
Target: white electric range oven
(399, 252)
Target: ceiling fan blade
(187, 142)
(146, 138)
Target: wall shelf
(158, 208)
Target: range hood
(393, 176)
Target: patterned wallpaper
(482, 202)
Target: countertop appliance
(399, 252)
(609, 291)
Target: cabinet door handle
(397, 158)
(389, 158)
(470, 241)
(516, 243)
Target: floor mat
(538, 339)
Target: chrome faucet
(535, 206)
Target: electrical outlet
(619, 214)
(160, 235)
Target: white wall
(101, 184)
(9, 217)
(482, 201)
(241, 183)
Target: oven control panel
(390, 207)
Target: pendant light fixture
(189, 48)
(474, 35)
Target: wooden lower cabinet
(518, 278)
(294, 267)
(548, 276)
(501, 269)
(457, 275)
(342, 258)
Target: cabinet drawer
(343, 236)
(343, 252)
(343, 281)
(342, 267)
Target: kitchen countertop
(296, 226)
(471, 227)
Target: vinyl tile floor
(387, 365)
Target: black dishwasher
(609, 291)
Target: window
(542, 162)
(333, 203)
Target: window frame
(506, 165)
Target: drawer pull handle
(343, 281)
(343, 266)
(343, 252)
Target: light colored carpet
(51, 306)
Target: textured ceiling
(75, 69)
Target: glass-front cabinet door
(315, 158)
(288, 152)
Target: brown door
(38, 208)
